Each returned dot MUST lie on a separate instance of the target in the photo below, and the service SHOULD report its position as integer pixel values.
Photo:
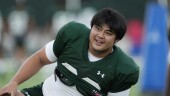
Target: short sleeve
(69, 33)
(60, 41)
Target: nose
(101, 35)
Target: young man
(83, 55)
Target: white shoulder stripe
(49, 51)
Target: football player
(88, 61)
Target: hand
(6, 94)
(9, 90)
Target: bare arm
(30, 67)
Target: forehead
(105, 26)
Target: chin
(98, 49)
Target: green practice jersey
(114, 73)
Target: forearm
(30, 67)
(27, 70)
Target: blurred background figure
(62, 12)
(85, 15)
(53, 15)
(19, 21)
(135, 33)
(2, 65)
(1, 35)
(60, 18)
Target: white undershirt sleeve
(49, 51)
(122, 93)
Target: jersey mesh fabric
(119, 70)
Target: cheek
(92, 34)
(111, 41)
(91, 40)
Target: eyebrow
(102, 28)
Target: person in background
(19, 23)
(1, 35)
(88, 61)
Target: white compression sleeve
(49, 51)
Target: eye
(98, 28)
(108, 33)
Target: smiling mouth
(98, 42)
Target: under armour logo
(102, 75)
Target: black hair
(115, 20)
